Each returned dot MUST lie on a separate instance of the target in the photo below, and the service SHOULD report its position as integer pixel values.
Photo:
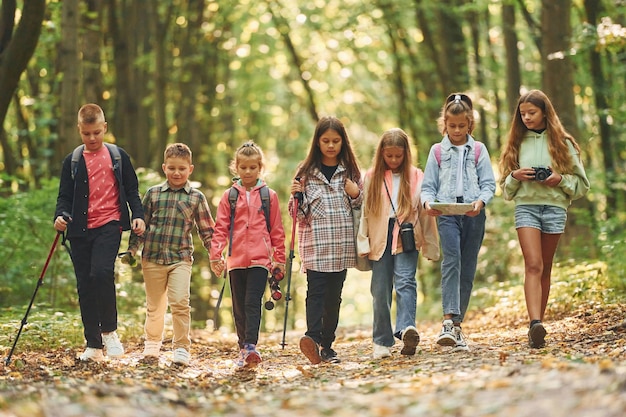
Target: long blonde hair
(557, 137)
(395, 137)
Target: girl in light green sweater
(542, 172)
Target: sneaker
(92, 354)
(380, 352)
(329, 355)
(410, 338)
(447, 337)
(310, 349)
(461, 343)
(181, 356)
(112, 344)
(151, 348)
(251, 357)
(536, 336)
(242, 358)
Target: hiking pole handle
(298, 195)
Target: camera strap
(391, 202)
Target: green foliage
(26, 237)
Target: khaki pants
(167, 284)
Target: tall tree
(558, 84)
(68, 65)
(17, 45)
(513, 76)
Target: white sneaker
(181, 356)
(447, 336)
(112, 344)
(380, 352)
(461, 343)
(151, 348)
(92, 354)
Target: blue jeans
(461, 238)
(389, 271)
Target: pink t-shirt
(104, 195)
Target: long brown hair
(346, 155)
(557, 137)
(398, 138)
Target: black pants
(247, 287)
(94, 264)
(323, 300)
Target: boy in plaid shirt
(172, 209)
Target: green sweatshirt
(534, 153)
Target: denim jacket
(440, 178)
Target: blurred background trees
(214, 73)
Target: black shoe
(536, 336)
(329, 355)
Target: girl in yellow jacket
(394, 228)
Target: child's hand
(281, 271)
(431, 211)
(217, 267)
(60, 224)
(138, 226)
(351, 188)
(128, 258)
(296, 186)
(476, 207)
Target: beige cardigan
(372, 236)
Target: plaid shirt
(170, 216)
(325, 230)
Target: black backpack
(78, 152)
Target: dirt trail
(581, 372)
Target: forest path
(581, 372)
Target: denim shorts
(548, 219)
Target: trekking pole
(216, 312)
(68, 218)
(39, 284)
(297, 199)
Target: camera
(407, 237)
(541, 173)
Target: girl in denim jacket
(457, 171)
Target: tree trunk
(558, 84)
(513, 76)
(91, 47)
(453, 50)
(69, 66)
(601, 91)
(16, 49)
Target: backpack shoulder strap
(233, 195)
(115, 153)
(477, 148)
(438, 153)
(265, 204)
(78, 152)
